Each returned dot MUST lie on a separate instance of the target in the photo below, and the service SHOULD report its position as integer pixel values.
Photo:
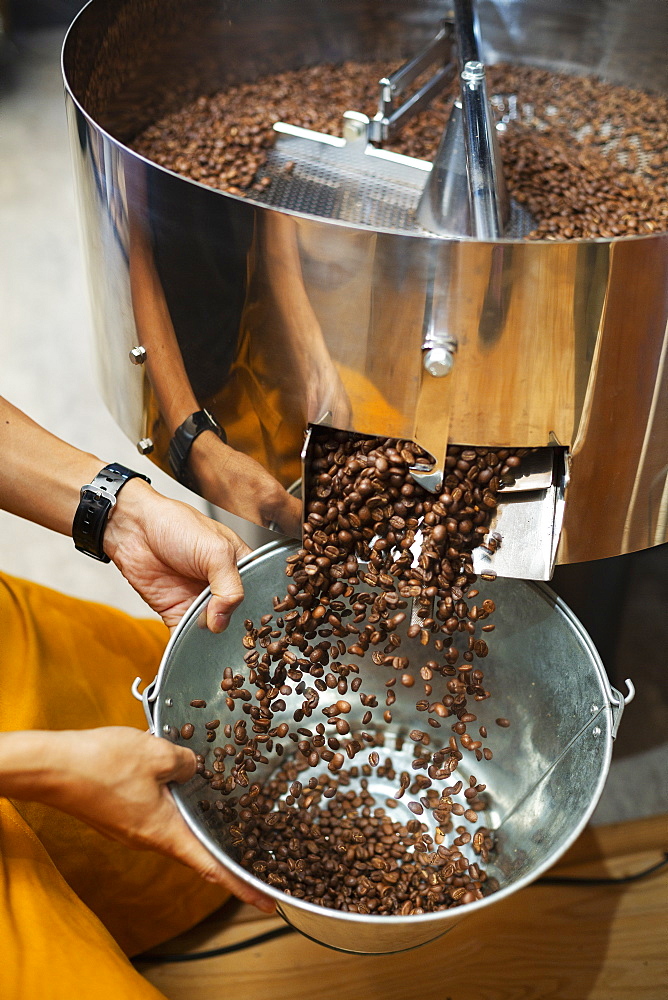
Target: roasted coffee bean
(504, 723)
(554, 146)
(436, 586)
(187, 730)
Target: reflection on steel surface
(270, 318)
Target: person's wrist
(195, 426)
(205, 449)
(128, 516)
(209, 468)
(57, 766)
(84, 468)
(96, 504)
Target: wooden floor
(543, 943)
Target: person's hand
(238, 483)
(115, 780)
(168, 552)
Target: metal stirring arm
(487, 189)
(390, 118)
(468, 158)
(465, 194)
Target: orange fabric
(53, 946)
(258, 423)
(69, 664)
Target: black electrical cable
(215, 952)
(609, 880)
(280, 931)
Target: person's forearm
(29, 764)
(280, 261)
(114, 779)
(41, 475)
(164, 363)
(155, 330)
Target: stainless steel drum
(559, 345)
(543, 781)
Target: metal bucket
(543, 782)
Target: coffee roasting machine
(441, 324)
(382, 294)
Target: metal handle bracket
(618, 702)
(147, 697)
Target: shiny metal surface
(444, 204)
(390, 118)
(489, 204)
(271, 318)
(527, 522)
(544, 780)
(362, 183)
(487, 189)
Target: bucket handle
(618, 702)
(148, 698)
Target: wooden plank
(602, 843)
(543, 943)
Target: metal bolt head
(138, 355)
(473, 71)
(438, 361)
(166, 729)
(145, 446)
(596, 731)
(168, 702)
(353, 130)
(355, 126)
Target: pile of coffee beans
(588, 159)
(336, 848)
(222, 140)
(383, 561)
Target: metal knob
(138, 355)
(145, 446)
(438, 361)
(473, 71)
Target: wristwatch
(97, 500)
(181, 443)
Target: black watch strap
(97, 500)
(181, 443)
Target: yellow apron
(72, 903)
